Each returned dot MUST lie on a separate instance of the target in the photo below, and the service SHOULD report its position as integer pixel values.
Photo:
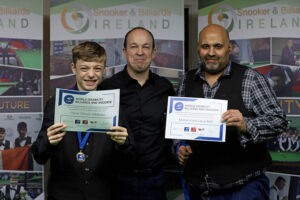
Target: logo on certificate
(186, 129)
(77, 121)
(69, 99)
(178, 106)
(193, 129)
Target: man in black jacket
(232, 170)
(71, 178)
(144, 97)
(22, 140)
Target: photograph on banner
(251, 52)
(168, 61)
(283, 186)
(61, 81)
(18, 81)
(285, 80)
(21, 185)
(285, 149)
(169, 53)
(21, 52)
(17, 133)
(286, 51)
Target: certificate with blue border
(87, 111)
(195, 119)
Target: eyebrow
(216, 44)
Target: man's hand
(183, 153)
(234, 118)
(54, 136)
(118, 134)
(285, 198)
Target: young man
(22, 140)
(277, 188)
(144, 97)
(4, 144)
(232, 170)
(14, 191)
(69, 178)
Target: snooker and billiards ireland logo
(226, 16)
(76, 18)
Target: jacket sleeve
(41, 149)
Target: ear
(153, 53)
(124, 52)
(73, 67)
(229, 48)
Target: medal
(80, 156)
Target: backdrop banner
(107, 22)
(21, 72)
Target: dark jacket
(229, 161)
(18, 141)
(68, 178)
(287, 56)
(6, 144)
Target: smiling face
(281, 184)
(214, 49)
(2, 135)
(22, 132)
(14, 180)
(139, 51)
(88, 74)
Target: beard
(213, 68)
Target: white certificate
(93, 111)
(195, 119)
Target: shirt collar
(128, 79)
(200, 72)
(74, 87)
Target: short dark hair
(279, 179)
(2, 130)
(277, 71)
(14, 175)
(142, 28)
(89, 51)
(21, 125)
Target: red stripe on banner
(15, 159)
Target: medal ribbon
(82, 142)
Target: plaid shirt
(259, 98)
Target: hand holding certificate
(87, 111)
(195, 119)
